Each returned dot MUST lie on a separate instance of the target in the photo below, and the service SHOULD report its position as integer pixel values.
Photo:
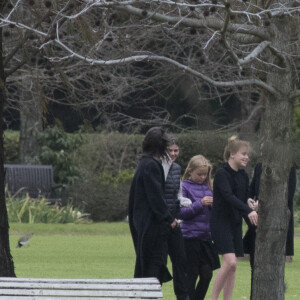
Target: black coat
(230, 195)
(149, 217)
(230, 191)
(249, 239)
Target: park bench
(35, 180)
(79, 289)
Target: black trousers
(177, 255)
(198, 266)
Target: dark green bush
(101, 201)
(107, 162)
(57, 148)
(209, 144)
(11, 146)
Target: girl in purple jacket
(202, 258)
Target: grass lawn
(105, 250)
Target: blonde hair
(195, 162)
(233, 146)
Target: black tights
(198, 292)
(198, 267)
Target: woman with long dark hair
(149, 218)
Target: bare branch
(259, 49)
(209, 22)
(183, 67)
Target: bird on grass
(24, 240)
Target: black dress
(149, 220)
(230, 190)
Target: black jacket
(230, 190)
(148, 213)
(172, 186)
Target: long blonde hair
(233, 146)
(195, 162)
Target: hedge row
(108, 160)
(106, 163)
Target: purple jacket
(196, 218)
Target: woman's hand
(207, 200)
(253, 217)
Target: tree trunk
(31, 120)
(269, 265)
(6, 262)
(251, 115)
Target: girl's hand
(207, 200)
(253, 217)
(251, 203)
(175, 223)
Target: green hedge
(106, 163)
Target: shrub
(58, 148)
(28, 210)
(101, 201)
(103, 197)
(107, 162)
(11, 146)
(211, 145)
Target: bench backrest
(33, 179)
(68, 289)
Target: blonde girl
(230, 190)
(202, 259)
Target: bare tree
(244, 47)
(259, 41)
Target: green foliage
(28, 210)
(103, 202)
(209, 144)
(107, 162)
(296, 121)
(11, 146)
(124, 176)
(110, 151)
(58, 148)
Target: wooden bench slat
(76, 280)
(78, 286)
(81, 289)
(92, 293)
(65, 298)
